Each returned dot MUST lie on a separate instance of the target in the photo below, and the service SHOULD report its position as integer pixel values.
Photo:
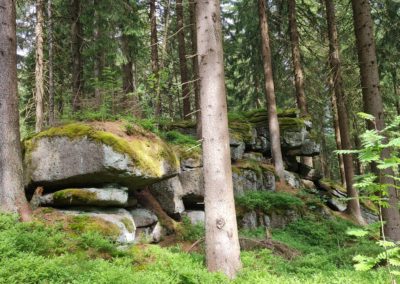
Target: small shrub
(267, 201)
(190, 232)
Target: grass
(33, 253)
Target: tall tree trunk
(297, 69)
(182, 60)
(50, 63)
(363, 26)
(12, 195)
(353, 205)
(270, 93)
(395, 91)
(77, 67)
(338, 139)
(195, 63)
(98, 66)
(222, 242)
(296, 58)
(155, 64)
(39, 83)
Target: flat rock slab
(143, 217)
(76, 155)
(102, 197)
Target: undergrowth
(33, 253)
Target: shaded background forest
(111, 44)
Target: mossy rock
(97, 153)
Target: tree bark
(182, 60)
(222, 242)
(12, 195)
(77, 67)
(155, 64)
(270, 93)
(353, 205)
(39, 83)
(363, 27)
(193, 33)
(98, 64)
(296, 58)
(297, 69)
(338, 139)
(50, 63)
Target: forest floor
(319, 251)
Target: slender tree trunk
(166, 29)
(12, 195)
(222, 242)
(363, 26)
(77, 67)
(98, 66)
(353, 205)
(296, 58)
(338, 139)
(298, 71)
(182, 60)
(324, 157)
(50, 63)
(39, 67)
(193, 33)
(155, 64)
(395, 92)
(270, 93)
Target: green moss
(128, 224)
(173, 125)
(242, 131)
(258, 167)
(72, 195)
(85, 224)
(291, 123)
(146, 149)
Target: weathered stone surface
(279, 220)
(117, 221)
(195, 216)
(249, 221)
(153, 234)
(102, 197)
(292, 179)
(309, 173)
(169, 194)
(85, 154)
(143, 217)
(191, 163)
(293, 139)
(237, 151)
(192, 182)
(248, 179)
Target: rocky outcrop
(102, 197)
(97, 153)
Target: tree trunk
(222, 242)
(353, 205)
(182, 60)
(77, 68)
(39, 83)
(338, 139)
(298, 72)
(98, 66)
(270, 93)
(12, 195)
(193, 33)
(50, 63)
(155, 64)
(363, 26)
(296, 58)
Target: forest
(200, 141)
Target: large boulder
(116, 224)
(102, 197)
(97, 153)
(169, 194)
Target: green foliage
(176, 137)
(191, 232)
(267, 201)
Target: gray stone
(195, 216)
(292, 179)
(279, 220)
(58, 160)
(336, 204)
(102, 197)
(254, 156)
(148, 235)
(118, 217)
(310, 148)
(261, 145)
(249, 221)
(191, 163)
(248, 179)
(192, 182)
(293, 139)
(169, 194)
(143, 217)
(237, 151)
